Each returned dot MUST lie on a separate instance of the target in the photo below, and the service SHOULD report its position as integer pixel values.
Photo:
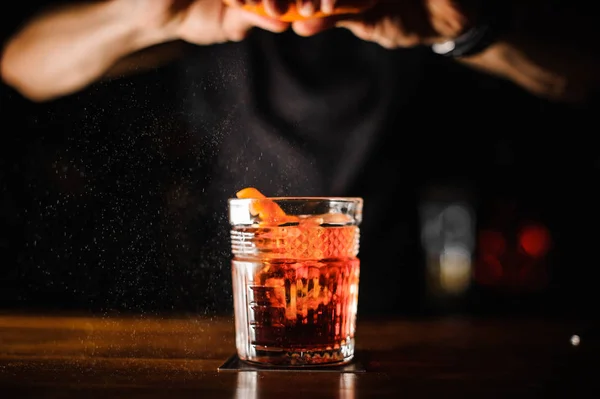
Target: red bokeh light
(534, 240)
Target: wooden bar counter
(141, 357)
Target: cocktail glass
(295, 279)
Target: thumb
(369, 32)
(348, 24)
(239, 20)
(263, 22)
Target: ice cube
(291, 310)
(315, 220)
(278, 286)
(336, 218)
(326, 218)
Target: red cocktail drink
(295, 279)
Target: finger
(241, 3)
(276, 8)
(349, 24)
(311, 27)
(327, 6)
(370, 33)
(307, 8)
(247, 2)
(359, 29)
(447, 18)
(356, 27)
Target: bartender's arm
(550, 50)
(63, 49)
(549, 47)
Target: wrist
(145, 26)
(487, 26)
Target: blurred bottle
(448, 239)
(348, 7)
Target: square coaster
(234, 364)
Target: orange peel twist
(267, 210)
(292, 15)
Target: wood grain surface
(131, 357)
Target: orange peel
(292, 15)
(267, 210)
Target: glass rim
(240, 213)
(306, 199)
